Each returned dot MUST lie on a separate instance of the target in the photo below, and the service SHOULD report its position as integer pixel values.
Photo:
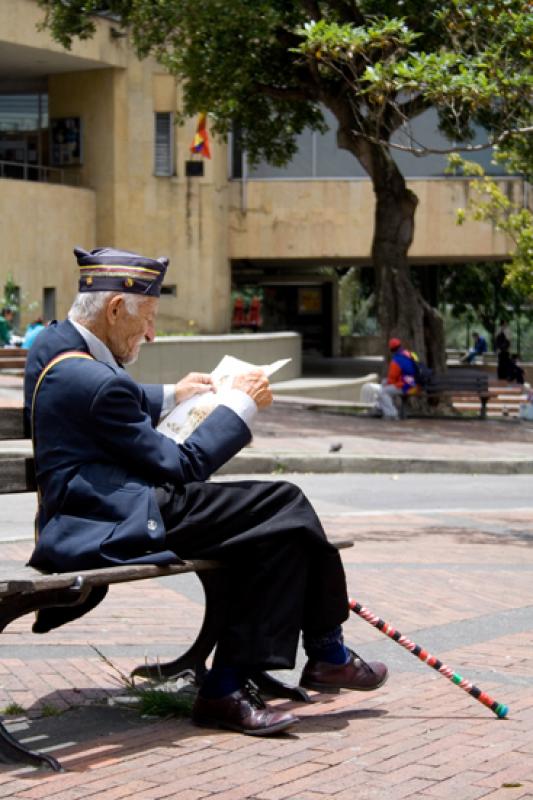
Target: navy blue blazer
(98, 458)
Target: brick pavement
(460, 584)
(285, 430)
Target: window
(49, 303)
(164, 144)
(23, 134)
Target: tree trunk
(402, 311)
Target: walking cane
(499, 709)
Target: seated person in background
(478, 348)
(515, 372)
(6, 325)
(502, 346)
(32, 332)
(401, 379)
(114, 490)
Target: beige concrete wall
(335, 219)
(19, 21)
(115, 95)
(168, 359)
(91, 95)
(39, 224)
(183, 218)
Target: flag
(200, 143)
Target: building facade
(90, 155)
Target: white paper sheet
(183, 419)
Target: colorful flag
(200, 143)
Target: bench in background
(454, 384)
(13, 358)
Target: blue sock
(221, 681)
(328, 647)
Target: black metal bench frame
(27, 590)
(454, 383)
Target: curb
(267, 463)
(331, 463)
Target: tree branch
(312, 8)
(411, 108)
(348, 11)
(421, 150)
(286, 93)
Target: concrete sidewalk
(293, 438)
(459, 585)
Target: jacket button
(152, 525)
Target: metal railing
(23, 171)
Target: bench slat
(17, 474)
(26, 580)
(11, 423)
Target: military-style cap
(109, 270)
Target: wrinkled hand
(193, 383)
(256, 386)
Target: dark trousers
(282, 574)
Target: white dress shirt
(235, 399)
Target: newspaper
(183, 419)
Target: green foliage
(265, 65)
(479, 294)
(490, 202)
(162, 700)
(13, 710)
(356, 304)
(10, 297)
(49, 710)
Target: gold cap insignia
(128, 283)
(89, 281)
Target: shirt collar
(97, 348)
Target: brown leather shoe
(355, 674)
(243, 711)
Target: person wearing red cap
(401, 379)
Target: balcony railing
(23, 171)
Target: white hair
(87, 306)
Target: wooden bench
(24, 590)
(453, 384)
(13, 358)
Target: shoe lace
(251, 690)
(360, 661)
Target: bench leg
(275, 688)
(214, 585)
(12, 751)
(483, 410)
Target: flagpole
(244, 179)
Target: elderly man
(113, 490)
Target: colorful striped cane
(499, 709)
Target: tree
(267, 66)
(478, 292)
(489, 202)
